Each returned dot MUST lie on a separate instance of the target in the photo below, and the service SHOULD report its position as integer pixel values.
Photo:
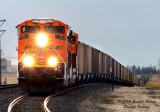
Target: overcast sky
(128, 30)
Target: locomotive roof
(42, 19)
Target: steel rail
(8, 86)
(11, 105)
(45, 103)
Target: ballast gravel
(100, 98)
(30, 104)
(7, 96)
(84, 99)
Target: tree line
(143, 70)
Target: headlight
(52, 61)
(28, 60)
(41, 39)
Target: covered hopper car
(50, 57)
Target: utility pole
(159, 67)
(1, 33)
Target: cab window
(54, 29)
(30, 29)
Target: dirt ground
(11, 78)
(135, 99)
(9, 75)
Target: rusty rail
(8, 86)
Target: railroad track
(41, 102)
(61, 92)
(15, 102)
(8, 86)
(27, 103)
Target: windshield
(30, 29)
(54, 29)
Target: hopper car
(50, 57)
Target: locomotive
(50, 57)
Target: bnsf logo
(37, 49)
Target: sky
(127, 30)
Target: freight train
(50, 57)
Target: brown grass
(10, 80)
(107, 101)
(151, 84)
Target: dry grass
(10, 80)
(107, 101)
(151, 84)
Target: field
(9, 78)
(153, 82)
(135, 99)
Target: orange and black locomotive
(46, 53)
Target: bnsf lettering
(35, 49)
(40, 48)
(30, 47)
